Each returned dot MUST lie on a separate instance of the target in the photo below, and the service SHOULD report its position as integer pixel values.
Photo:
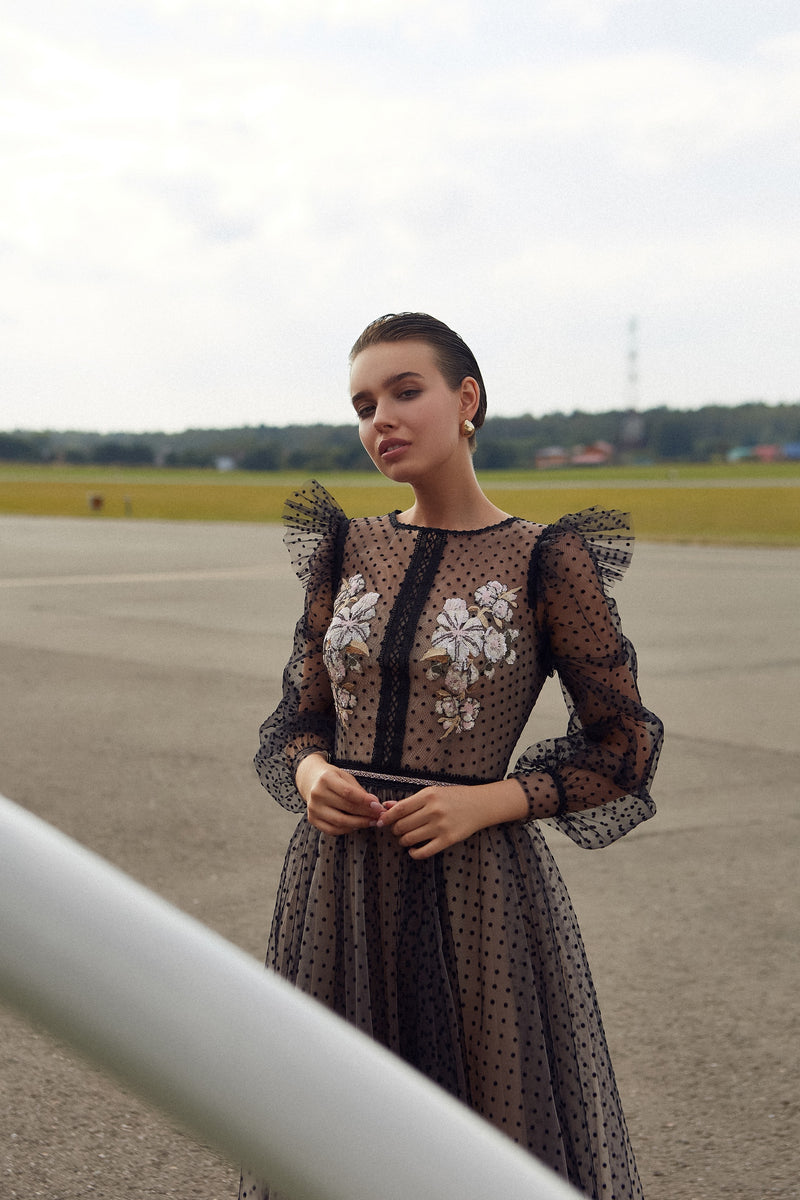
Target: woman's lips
(392, 448)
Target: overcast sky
(204, 201)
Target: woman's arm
(603, 766)
(304, 720)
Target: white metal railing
(198, 1028)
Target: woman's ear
(469, 397)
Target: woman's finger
(399, 810)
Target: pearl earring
(467, 428)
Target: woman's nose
(383, 417)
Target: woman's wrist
(307, 764)
(302, 755)
(502, 802)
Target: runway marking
(141, 577)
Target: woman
(418, 897)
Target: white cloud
(266, 17)
(783, 48)
(571, 271)
(191, 228)
(586, 14)
(653, 110)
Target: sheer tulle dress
(418, 659)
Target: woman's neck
(454, 507)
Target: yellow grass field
(748, 509)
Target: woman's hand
(437, 817)
(336, 802)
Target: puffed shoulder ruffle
(608, 537)
(311, 517)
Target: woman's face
(409, 418)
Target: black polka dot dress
(418, 658)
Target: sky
(205, 201)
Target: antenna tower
(633, 364)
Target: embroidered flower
(469, 711)
(344, 699)
(456, 712)
(494, 645)
(459, 635)
(448, 706)
(336, 669)
(495, 600)
(467, 643)
(345, 642)
(350, 626)
(457, 682)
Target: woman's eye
(409, 394)
(365, 411)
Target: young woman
(418, 897)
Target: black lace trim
(398, 524)
(395, 651)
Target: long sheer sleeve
(304, 720)
(603, 767)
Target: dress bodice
(421, 653)
(432, 647)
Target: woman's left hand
(437, 817)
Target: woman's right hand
(335, 800)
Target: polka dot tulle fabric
(418, 658)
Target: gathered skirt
(470, 966)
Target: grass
(746, 504)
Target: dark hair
(453, 356)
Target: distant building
(551, 456)
(598, 454)
(766, 453)
(225, 463)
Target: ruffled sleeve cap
(314, 525)
(608, 537)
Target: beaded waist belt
(365, 773)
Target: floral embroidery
(468, 642)
(460, 636)
(346, 641)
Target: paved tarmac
(138, 659)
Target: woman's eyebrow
(390, 381)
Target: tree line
(656, 435)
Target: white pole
(267, 1075)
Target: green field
(745, 504)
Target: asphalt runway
(138, 660)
